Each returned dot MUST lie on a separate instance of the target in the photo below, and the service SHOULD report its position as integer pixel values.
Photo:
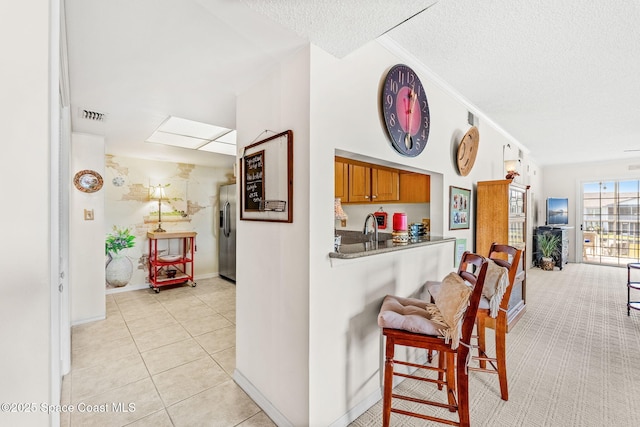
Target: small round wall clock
(467, 151)
(405, 110)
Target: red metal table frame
(183, 265)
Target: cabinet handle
(374, 197)
(366, 197)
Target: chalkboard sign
(253, 181)
(266, 179)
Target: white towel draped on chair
(495, 285)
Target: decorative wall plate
(88, 181)
(118, 181)
(467, 151)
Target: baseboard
(358, 410)
(92, 319)
(255, 394)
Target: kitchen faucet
(375, 227)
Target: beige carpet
(573, 358)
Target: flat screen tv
(557, 211)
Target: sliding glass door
(611, 217)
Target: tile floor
(159, 360)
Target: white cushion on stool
(409, 314)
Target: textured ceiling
(560, 76)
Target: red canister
(399, 221)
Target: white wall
(25, 292)
(192, 188)
(344, 301)
(566, 181)
(86, 238)
(313, 321)
(272, 282)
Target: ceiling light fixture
(195, 135)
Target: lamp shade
(510, 165)
(158, 193)
(338, 211)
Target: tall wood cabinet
(501, 217)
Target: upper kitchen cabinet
(342, 180)
(368, 183)
(360, 182)
(415, 187)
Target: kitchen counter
(355, 245)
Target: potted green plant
(119, 268)
(548, 246)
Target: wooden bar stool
(444, 326)
(487, 316)
(492, 311)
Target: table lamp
(158, 193)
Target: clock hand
(412, 96)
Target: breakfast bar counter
(352, 248)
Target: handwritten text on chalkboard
(254, 181)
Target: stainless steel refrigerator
(227, 234)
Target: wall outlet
(88, 214)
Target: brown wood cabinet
(342, 180)
(501, 217)
(360, 182)
(415, 187)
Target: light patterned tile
(104, 350)
(258, 420)
(218, 340)
(112, 408)
(221, 303)
(143, 324)
(227, 359)
(189, 379)
(192, 313)
(172, 355)
(157, 419)
(202, 325)
(90, 334)
(159, 337)
(109, 374)
(221, 406)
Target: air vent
(92, 115)
(471, 119)
(634, 167)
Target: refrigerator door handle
(227, 220)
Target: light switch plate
(88, 214)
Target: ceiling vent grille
(92, 115)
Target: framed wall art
(459, 208)
(266, 179)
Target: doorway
(610, 219)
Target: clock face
(405, 111)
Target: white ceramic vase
(119, 270)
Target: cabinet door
(342, 181)
(415, 188)
(385, 185)
(359, 183)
